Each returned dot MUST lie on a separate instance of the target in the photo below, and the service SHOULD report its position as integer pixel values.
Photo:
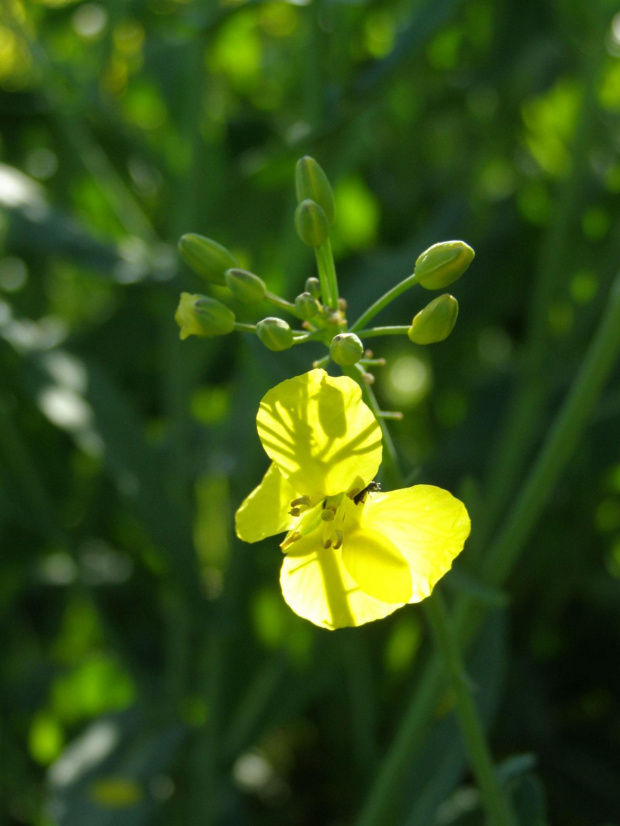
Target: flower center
(328, 516)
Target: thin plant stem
(327, 274)
(245, 328)
(560, 443)
(373, 332)
(382, 302)
(494, 800)
(521, 425)
(372, 362)
(282, 304)
(504, 552)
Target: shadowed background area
(150, 671)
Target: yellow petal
(320, 434)
(265, 511)
(317, 586)
(427, 525)
(377, 566)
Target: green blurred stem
(373, 332)
(327, 274)
(494, 800)
(497, 565)
(396, 415)
(380, 362)
(315, 335)
(560, 443)
(512, 451)
(245, 328)
(382, 302)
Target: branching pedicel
(319, 309)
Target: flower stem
(322, 363)
(396, 415)
(560, 443)
(282, 303)
(245, 328)
(494, 800)
(372, 332)
(382, 302)
(327, 274)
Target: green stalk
(520, 429)
(327, 274)
(552, 460)
(560, 443)
(282, 304)
(382, 302)
(373, 332)
(245, 328)
(494, 800)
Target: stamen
(327, 543)
(328, 514)
(288, 540)
(338, 540)
(301, 500)
(295, 512)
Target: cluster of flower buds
(319, 308)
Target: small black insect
(360, 497)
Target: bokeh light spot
(357, 214)
(583, 286)
(407, 381)
(90, 20)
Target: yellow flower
(353, 554)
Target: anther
(294, 512)
(301, 500)
(338, 540)
(290, 539)
(327, 543)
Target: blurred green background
(150, 671)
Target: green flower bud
(311, 182)
(311, 223)
(306, 306)
(275, 334)
(313, 286)
(206, 257)
(245, 286)
(346, 349)
(442, 264)
(199, 315)
(435, 322)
